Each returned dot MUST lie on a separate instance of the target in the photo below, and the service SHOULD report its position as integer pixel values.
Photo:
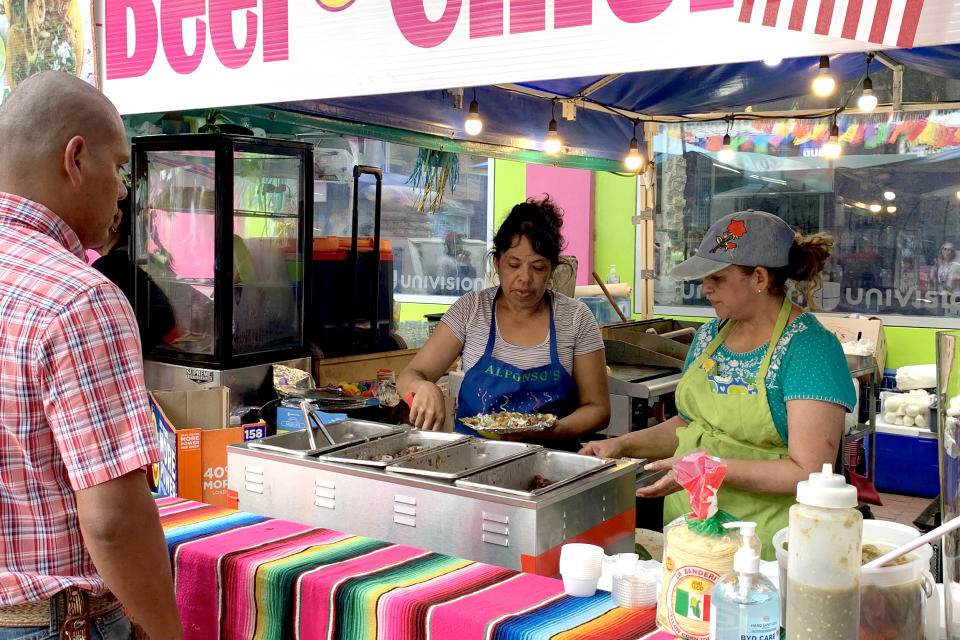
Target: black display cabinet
(222, 226)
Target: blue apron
(493, 385)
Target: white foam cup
(582, 561)
(580, 587)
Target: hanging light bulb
(889, 195)
(832, 148)
(726, 152)
(553, 142)
(634, 160)
(875, 207)
(867, 101)
(891, 209)
(824, 84)
(473, 124)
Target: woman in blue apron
(523, 348)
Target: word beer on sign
(153, 21)
(147, 26)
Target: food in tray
(539, 482)
(510, 422)
(406, 451)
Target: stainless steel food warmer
(467, 504)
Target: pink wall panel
(572, 190)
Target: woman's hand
(427, 411)
(610, 448)
(665, 485)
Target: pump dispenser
(745, 604)
(612, 277)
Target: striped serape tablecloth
(240, 575)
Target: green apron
(731, 419)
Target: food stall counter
(241, 575)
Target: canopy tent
(517, 115)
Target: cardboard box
(853, 329)
(330, 371)
(193, 428)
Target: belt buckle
(76, 624)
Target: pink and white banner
(891, 23)
(176, 54)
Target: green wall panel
(509, 188)
(615, 202)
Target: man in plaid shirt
(77, 520)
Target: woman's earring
(759, 290)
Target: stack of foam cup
(633, 587)
(580, 568)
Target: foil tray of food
(463, 458)
(343, 432)
(510, 422)
(393, 449)
(535, 474)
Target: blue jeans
(113, 625)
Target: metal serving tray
(517, 476)
(363, 452)
(343, 432)
(464, 458)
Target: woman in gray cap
(765, 386)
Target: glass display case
(221, 228)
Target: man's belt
(75, 607)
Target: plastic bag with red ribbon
(701, 475)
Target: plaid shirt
(73, 406)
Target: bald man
(79, 530)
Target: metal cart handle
(359, 170)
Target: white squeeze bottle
(823, 562)
(745, 604)
(612, 277)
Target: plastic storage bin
(331, 296)
(907, 464)
(600, 308)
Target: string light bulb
(473, 125)
(832, 148)
(824, 84)
(867, 100)
(889, 195)
(875, 207)
(553, 142)
(726, 151)
(891, 209)
(634, 160)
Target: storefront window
(891, 201)
(439, 249)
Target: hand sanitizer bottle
(612, 277)
(745, 604)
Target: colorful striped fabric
(241, 576)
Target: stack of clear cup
(580, 568)
(633, 587)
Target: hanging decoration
(433, 173)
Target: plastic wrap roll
(622, 290)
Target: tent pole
(646, 191)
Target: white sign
(160, 56)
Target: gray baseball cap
(749, 238)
